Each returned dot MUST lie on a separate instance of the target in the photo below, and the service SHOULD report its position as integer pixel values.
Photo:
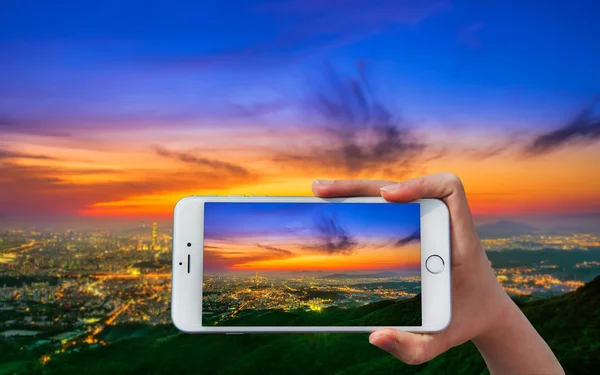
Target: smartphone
(305, 264)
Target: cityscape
(227, 296)
(574, 241)
(62, 291)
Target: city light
(65, 290)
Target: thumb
(411, 348)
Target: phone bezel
(188, 227)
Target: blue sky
(302, 220)
(156, 61)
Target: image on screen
(311, 264)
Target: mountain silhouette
(504, 228)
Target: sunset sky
(297, 236)
(115, 110)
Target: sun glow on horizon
(367, 259)
(121, 182)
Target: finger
(445, 186)
(441, 186)
(410, 348)
(348, 188)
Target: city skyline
(280, 237)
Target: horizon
(561, 224)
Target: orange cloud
(122, 178)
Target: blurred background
(112, 111)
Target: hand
(481, 309)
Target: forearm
(513, 346)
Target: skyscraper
(154, 235)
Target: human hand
(481, 309)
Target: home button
(435, 264)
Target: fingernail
(323, 182)
(384, 342)
(391, 188)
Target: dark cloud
(494, 147)
(70, 119)
(332, 237)
(584, 128)
(10, 124)
(45, 190)
(361, 134)
(216, 165)
(414, 237)
(276, 249)
(6, 154)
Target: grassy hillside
(570, 323)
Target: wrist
(511, 345)
(507, 317)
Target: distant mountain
(504, 228)
(361, 276)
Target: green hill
(570, 323)
(405, 312)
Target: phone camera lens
(180, 263)
(189, 244)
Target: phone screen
(311, 264)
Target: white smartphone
(305, 264)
